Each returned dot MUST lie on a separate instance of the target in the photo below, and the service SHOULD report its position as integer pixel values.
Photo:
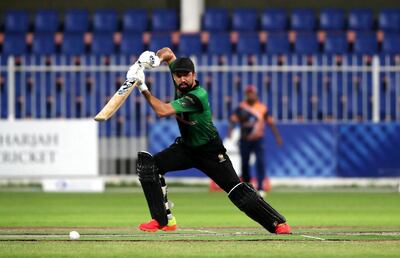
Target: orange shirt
(252, 120)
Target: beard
(184, 87)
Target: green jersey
(194, 116)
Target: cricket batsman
(199, 146)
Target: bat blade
(116, 101)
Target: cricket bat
(116, 101)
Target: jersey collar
(197, 84)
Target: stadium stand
(16, 21)
(366, 43)
(248, 43)
(237, 37)
(134, 20)
(164, 20)
(219, 43)
(331, 19)
(76, 21)
(14, 43)
(278, 43)
(159, 40)
(190, 44)
(73, 43)
(303, 19)
(360, 19)
(46, 21)
(105, 21)
(215, 19)
(389, 20)
(306, 43)
(244, 20)
(336, 43)
(391, 43)
(131, 43)
(103, 43)
(43, 43)
(273, 20)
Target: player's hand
(133, 70)
(137, 75)
(148, 59)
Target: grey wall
(121, 5)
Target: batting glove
(137, 76)
(133, 70)
(149, 60)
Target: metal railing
(295, 88)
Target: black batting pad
(246, 198)
(150, 181)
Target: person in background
(252, 115)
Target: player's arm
(162, 109)
(274, 129)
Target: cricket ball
(74, 235)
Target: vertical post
(11, 87)
(191, 11)
(375, 89)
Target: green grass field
(325, 224)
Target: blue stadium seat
(336, 43)
(360, 19)
(14, 43)
(3, 98)
(278, 43)
(131, 44)
(164, 20)
(244, 20)
(76, 21)
(219, 43)
(248, 43)
(135, 20)
(105, 20)
(332, 19)
(365, 43)
(46, 21)
(189, 44)
(16, 21)
(274, 20)
(73, 43)
(306, 43)
(303, 19)
(389, 20)
(43, 43)
(215, 19)
(160, 40)
(391, 43)
(103, 43)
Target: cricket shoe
(153, 226)
(282, 228)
